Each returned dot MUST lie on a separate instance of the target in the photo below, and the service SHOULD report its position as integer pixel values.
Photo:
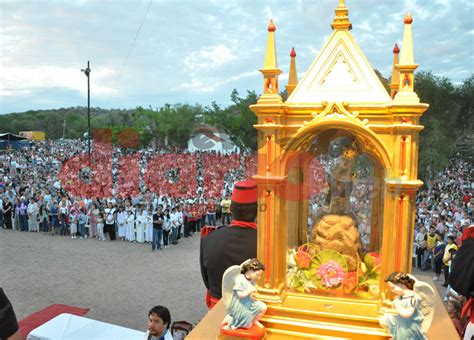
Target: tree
(237, 120)
(439, 134)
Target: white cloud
(198, 51)
(208, 58)
(26, 80)
(210, 84)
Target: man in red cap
(230, 245)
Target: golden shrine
(337, 177)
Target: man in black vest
(230, 245)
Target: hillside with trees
(447, 120)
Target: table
(73, 327)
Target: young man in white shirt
(174, 220)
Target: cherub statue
(414, 307)
(238, 283)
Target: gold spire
(270, 70)
(292, 76)
(407, 66)
(270, 55)
(341, 19)
(406, 57)
(395, 74)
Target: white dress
(32, 212)
(149, 228)
(130, 233)
(121, 221)
(140, 224)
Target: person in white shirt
(110, 216)
(74, 220)
(149, 226)
(159, 322)
(174, 222)
(100, 227)
(121, 221)
(140, 225)
(32, 212)
(130, 226)
(166, 228)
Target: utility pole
(87, 72)
(64, 125)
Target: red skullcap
(245, 192)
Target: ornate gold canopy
(339, 92)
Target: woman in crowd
(44, 217)
(140, 225)
(130, 226)
(166, 227)
(420, 244)
(82, 220)
(32, 212)
(148, 224)
(93, 216)
(121, 222)
(7, 213)
(21, 208)
(438, 255)
(74, 218)
(100, 226)
(53, 215)
(110, 218)
(447, 256)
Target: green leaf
(369, 262)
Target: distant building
(33, 135)
(210, 139)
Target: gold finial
(341, 19)
(394, 84)
(271, 26)
(292, 76)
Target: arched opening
(333, 202)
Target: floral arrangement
(368, 281)
(311, 270)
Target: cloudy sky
(198, 51)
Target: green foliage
(447, 118)
(237, 120)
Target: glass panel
(335, 225)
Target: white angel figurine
(414, 306)
(238, 283)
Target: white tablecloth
(73, 327)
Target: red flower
(350, 282)
(303, 260)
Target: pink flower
(331, 274)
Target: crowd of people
(444, 212)
(155, 197)
(160, 197)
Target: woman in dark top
(7, 213)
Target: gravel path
(119, 281)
